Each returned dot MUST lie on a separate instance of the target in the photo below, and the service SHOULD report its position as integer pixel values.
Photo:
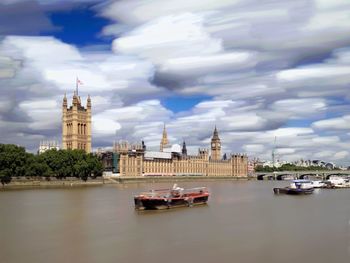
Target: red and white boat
(170, 198)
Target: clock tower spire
(215, 146)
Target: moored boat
(297, 187)
(170, 198)
(337, 182)
(318, 184)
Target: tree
(14, 159)
(95, 166)
(82, 170)
(37, 168)
(5, 178)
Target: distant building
(48, 145)
(275, 164)
(76, 124)
(252, 164)
(133, 160)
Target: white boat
(318, 184)
(338, 182)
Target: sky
(257, 69)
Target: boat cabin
(301, 184)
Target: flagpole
(76, 85)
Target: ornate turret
(184, 149)
(64, 104)
(75, 99)
(88, 104)
(215, 146)
(164, 143)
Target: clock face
(213, 145)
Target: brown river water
(243, 222)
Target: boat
(297, 187)
(337, 182)
(318, 184)
(171, 198)
(288, 177)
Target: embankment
(24, 183)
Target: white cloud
(252, 61)
(341, 155)
(313, 73)
(341, 123)
(283, 151)
(254, 148)
(37, 111)
(169, 37)
(300, 108)
(135, 12)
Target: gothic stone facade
(76, 124)
(134, 161)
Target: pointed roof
(164, 142)
(184, 148)
(164, 129)
(215, 134)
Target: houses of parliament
(135, 160)
(130, 160)
(76, 124)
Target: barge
(171, 198)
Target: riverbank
(161, 179)
(25, 183)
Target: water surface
(243, 222)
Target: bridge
(321, 175)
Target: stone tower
(184, 149)
(76, 124)
(215, 146)
(164, 143)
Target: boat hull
(293, 191)
(163, 203)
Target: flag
(79, 82)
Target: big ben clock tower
(215, 146)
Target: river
(243, 222)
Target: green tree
(82, 170)
(13, 159)
(37, 168)
(5, 178)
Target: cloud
(341, 123)
(263, 69)
(32, 93)
(30, 18)
(169, 37)
(300, 108)
(254, 148)
(37, 112)
(341, 155)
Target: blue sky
(80, 26)
(255, 69)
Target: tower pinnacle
(164, 142)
